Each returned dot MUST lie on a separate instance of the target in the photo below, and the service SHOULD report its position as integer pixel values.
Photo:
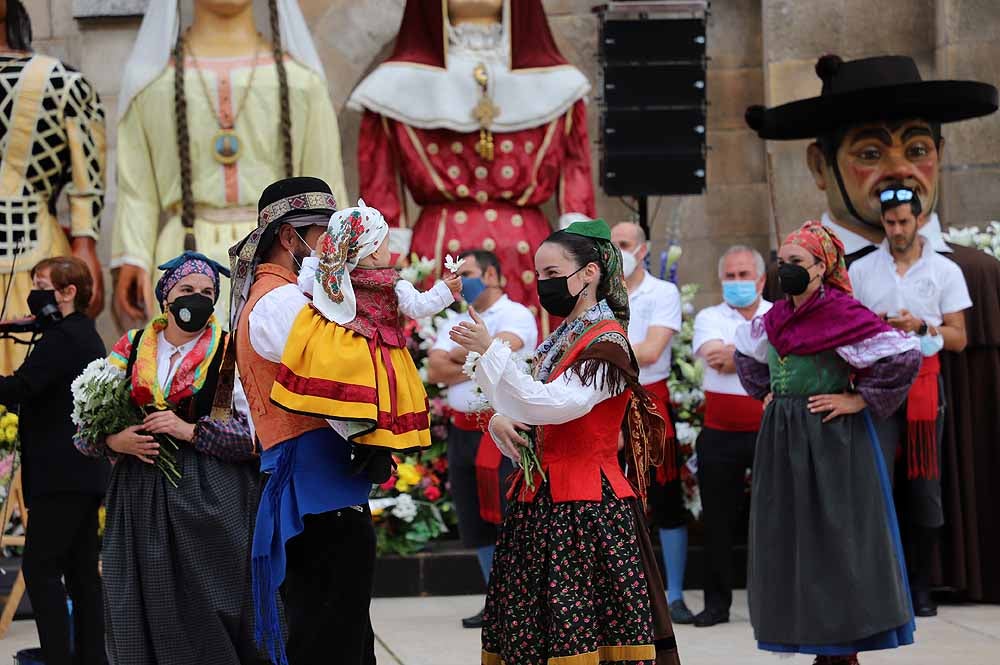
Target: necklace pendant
(226, 147)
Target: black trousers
(327, 590)
(62, 544)
(723, 459)
(462, 449)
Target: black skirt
(177, 563)
(568, 580)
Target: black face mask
(554, 295)
(793, 278)
(192, 312)
(42, 305)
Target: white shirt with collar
(165, 373)
(719, 323)
(854, 242)
(932, 287)
(503, 316)
(653, 303)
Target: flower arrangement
(411, 508)
(10, 440)
(685, 386)
(102, 406)
(414, 507)
(987, 240)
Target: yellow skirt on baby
(328, 371)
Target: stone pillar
(967, 47)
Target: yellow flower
(8, 420)
(3, 436)
(3, 409)
(402, 486)
(407, 474)
(377, 511)
(11, 434)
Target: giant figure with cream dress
(210, 113)
(482, 120)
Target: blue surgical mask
(472, 288)
(930, 345)
(739, 293)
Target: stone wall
(761, 51)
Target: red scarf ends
(921, 422)
(668, 471)
(488, 460)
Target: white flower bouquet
(986, 240)
(102, 406)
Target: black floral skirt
(568, 582)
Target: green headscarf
(612, 275)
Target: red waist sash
(668, 471)
(921, 422)
(732, 413)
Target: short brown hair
(66, 271)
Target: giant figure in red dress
(480, 117)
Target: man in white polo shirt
(728, 438)
(476, 472)
(923, 294)
(654, 317)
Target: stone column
(967, 47)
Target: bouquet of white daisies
(102, 406)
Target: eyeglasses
(901, 195)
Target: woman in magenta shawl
(826, 573)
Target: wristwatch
(922, 330)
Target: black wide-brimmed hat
(870, 89)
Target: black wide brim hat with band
(871, 89)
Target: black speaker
(654, 104)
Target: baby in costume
(346, 358)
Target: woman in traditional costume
(205, 124)
(346, 358)
(826, 573)
(574, 577)
(176, 549)
(479, 116)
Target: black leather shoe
(923, 604)
(679, 612)
(710, 617)
(473, 621)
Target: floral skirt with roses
(568, 583)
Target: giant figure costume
(482, 125)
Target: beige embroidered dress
(148, 229)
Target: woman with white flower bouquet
(176, 543)
(574, 573)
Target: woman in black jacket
(62, 487)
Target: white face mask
(629, 263)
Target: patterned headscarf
(825, 246)
(611, 265)
(353, 234)
(188, 263)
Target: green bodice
(817, 374)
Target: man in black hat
(877, 123)
(314, 538)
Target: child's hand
(454, 283)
